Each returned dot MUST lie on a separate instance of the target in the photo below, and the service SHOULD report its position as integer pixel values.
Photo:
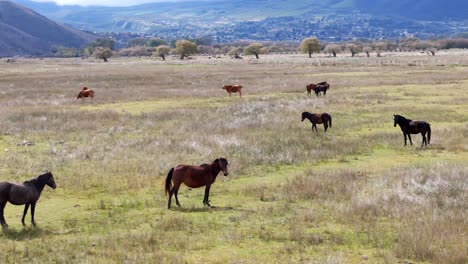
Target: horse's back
(191, 175)
(232, 88)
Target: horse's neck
(214, 169)
(37, 184)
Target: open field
(353, 195)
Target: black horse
(26, 193)
(318, 118)
(409, 127)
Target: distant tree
(275, 49)
(367, 50)
(136, 42)
(154, 42)
(333, 49)
(234, 52)
(408, 44)
(185, 48)
(162, 51)
(102, 53)
(310, 45)
(104, 43)
(354, 48)
(253, 49)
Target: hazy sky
(104, 2)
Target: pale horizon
(105, 2)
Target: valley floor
(352, 195)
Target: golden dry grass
(292, 196)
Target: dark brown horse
(318, 118)
(85, 92)
(194, 177)
(233, 89)
(409, 127)
(26, 193)
(317, 88)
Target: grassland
(354, 195)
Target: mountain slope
(417, 9)
(25, 32)
(277, 20)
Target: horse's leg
(325, 125)
(404, 135)
(207, 195)
(26, 207)
(240, 94)
(33, 209)
(424, 139)
(2, 216)
(315, 126)
(176, 192)
(410, 141)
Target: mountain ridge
(19, 37)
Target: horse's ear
(394, 115)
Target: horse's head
(304, 115)
(223, 165)
(48, 179)
(397, 119)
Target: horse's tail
(428, 133)
(169, 181)
(330, 120)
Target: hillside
(25, 32)
(269, 20)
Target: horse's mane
(30, 181)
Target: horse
(233, 89)
(318, 118)
(409, 127)
(26, 193)
(85, 92)
(319, 87)
(194, 177)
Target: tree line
(104, 48)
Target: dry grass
(293, 196)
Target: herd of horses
(29, 191)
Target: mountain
(416, 9)
(25, 32)
(276, 20)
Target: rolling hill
(270, 20)
(25, 32)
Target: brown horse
(194, 177)
(317, 88)
(318, 118)
(26, 193)
(85, 92)
(233, 89)
(409, 127)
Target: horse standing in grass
(233, 89)
(317, 88)
(409, 127)
(26, 193)
(194, 177)
(85, 92)
(318, 118)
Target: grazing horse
(85, 92)
(318, 118)
(317, 88)
(194, 177)
(233, 89)
(409, 127)
(26, 193)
